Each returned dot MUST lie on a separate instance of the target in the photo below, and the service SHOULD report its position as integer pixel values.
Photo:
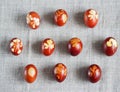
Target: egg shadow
(82, 73)
(62, 47)
(36, 47)
(5, 46)
(21, 20)
(19, 73)
(79, 18)
(48, 73)
(49, 17)
(98, 46)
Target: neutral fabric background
(12, 24)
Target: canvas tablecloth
(13, 24)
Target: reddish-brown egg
(16, 46)
(110, 46)
(33, 19)
(30, 73)
(91, 18)
(60, 72)
(94, 73)
(60, 17)
(75, 46)
(48, 46)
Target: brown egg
(75, 46)
(60, 72)
(30, 73)
(60, 17)
(33, 19)
(48, 46)
(94, 73)
(91, 18)
(16, 46)
(110, 46)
